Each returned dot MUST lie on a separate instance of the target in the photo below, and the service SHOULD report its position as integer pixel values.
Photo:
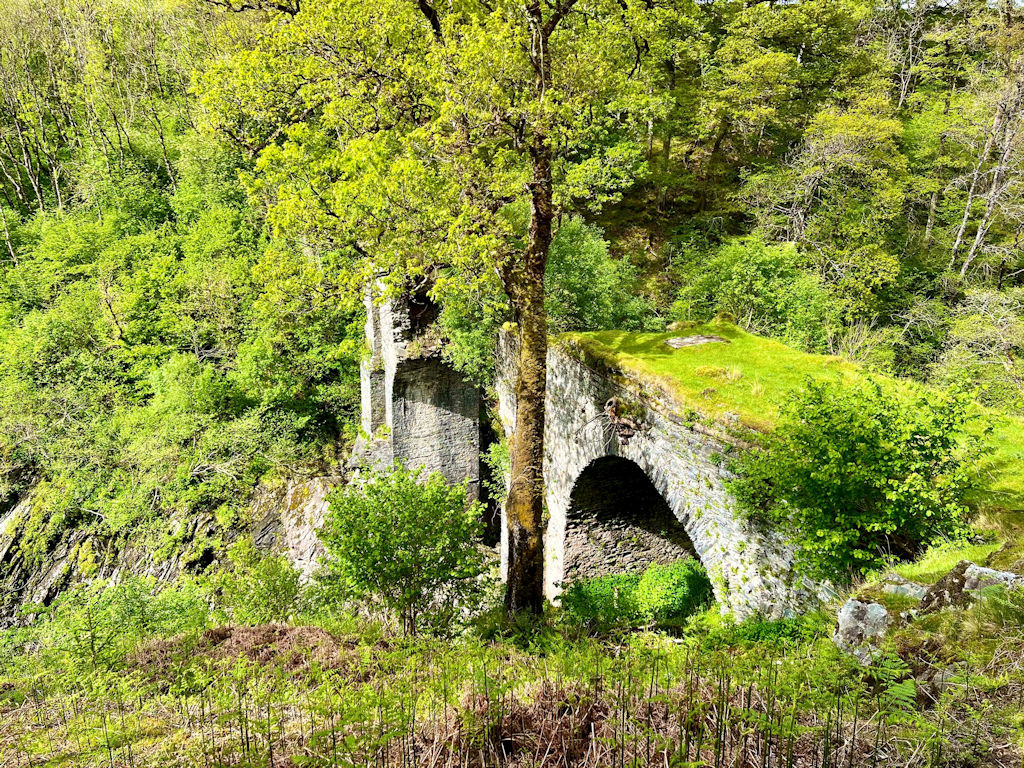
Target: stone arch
(748, 567)
(617, 521)
(683, 457)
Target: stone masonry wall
(750, 568)
(436, 421)
(415, 408)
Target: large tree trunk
(524, 508)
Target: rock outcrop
(289, 518)
(894, 584)
(861, 630)
(959, 588)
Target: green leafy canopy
(858, 475)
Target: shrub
(662, 593)
(410, 542)
(93, 625)
(258, 588)
(859, 475)
(765, 287)
(604, 600)
(672, 591)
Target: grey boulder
(862, 627)
(960, 586)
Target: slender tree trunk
(7, 236)
(997, 123)
(525, 505)
(1007, 142)
(669, 135)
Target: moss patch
(940, 560)
(746, 375)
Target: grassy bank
(769, 694)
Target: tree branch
(431, 15)
(290, 7)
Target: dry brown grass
(297, 649)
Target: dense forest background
(179, 321)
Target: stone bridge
(615, 501)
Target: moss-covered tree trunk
(525, 505)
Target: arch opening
(618, 522)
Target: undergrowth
(137, 675)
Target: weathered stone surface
(750, 568)
(289, 519)
(894, 584)
(24, 581)
(678, 342)
(416, 408)
(948, 591)
(978, 577)
(960, 586)
(862, 627)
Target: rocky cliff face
(286, 518)
(28, 578)
(289, 518)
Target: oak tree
(406, 133)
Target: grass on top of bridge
(747, 375)
(753, 377)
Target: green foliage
(147, 343)
(999, 611)
(661, 594)
(161, 355)
(602, 601)
(795, 694)
(257, 588)
(498, 463)
(94, 625)
(717, 631)
(858, 475)
(942, 557)
(410, 542)
(587, 288)
(672, 591)
(766, 288)
(97, 624)
(984, 341)
(892, 679)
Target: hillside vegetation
(194, 195)
(179, 310)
